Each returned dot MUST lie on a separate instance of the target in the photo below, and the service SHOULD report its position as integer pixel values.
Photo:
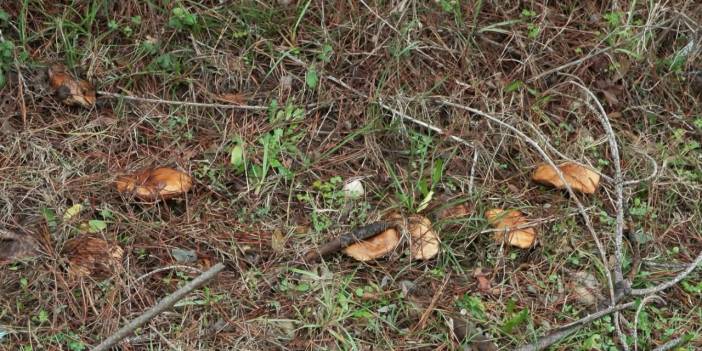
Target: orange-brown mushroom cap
(374, 247)
(155, 184)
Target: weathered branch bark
(165, 304)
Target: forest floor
(339, 91)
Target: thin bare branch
(658, 288)
(165, 304)
(181, 103)
(564, 331)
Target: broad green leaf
(515, 321)
(96, 225)
(72, 211)
(49, 216)
(437, 172)
(236, 156)
(311, 78)
(425, 202)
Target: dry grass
(491, 55)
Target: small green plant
(514, 319)
(167, 62)
(7, 49)
(639, 209)
(692, 288)
(533, 29)
(182, 19)
(324, 195)
(448, 5)
(149, 46)
(127, 30)
(325, 54)
(312, 77)
(472, 305)
(70, 340)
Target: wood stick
(163, 305)
(358, 234)
(564, 331)
(107, 94)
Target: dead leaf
(586, 289)
(232, 98)
(578, 177)
(15, 247)
(506, 220)
(71, 91)
(425, 242)
(184, 256)
(453, 212)
(278, 241)
(483, 343)
(483, 282)
(91, 256)
(375, 247)
(155, 184)
(611, 97)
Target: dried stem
(569, 328)
(181, 103)
(638, 312)
(165, 304)
(658, 288)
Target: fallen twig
(358, 234)
(668, 284)
(181, 103)
(427, 312)
(621, 286)
(639, 309)
(569, 328)
(672, 343)
(163, 305)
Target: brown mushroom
(425, 242)
(374, 247)
(579, 178)
(155, 184)
(71, 91)
(506, 220)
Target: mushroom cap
(506, 219)
(425, 241)
(579, 178)
(71, 91)
(154, 184)
(374, 247)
